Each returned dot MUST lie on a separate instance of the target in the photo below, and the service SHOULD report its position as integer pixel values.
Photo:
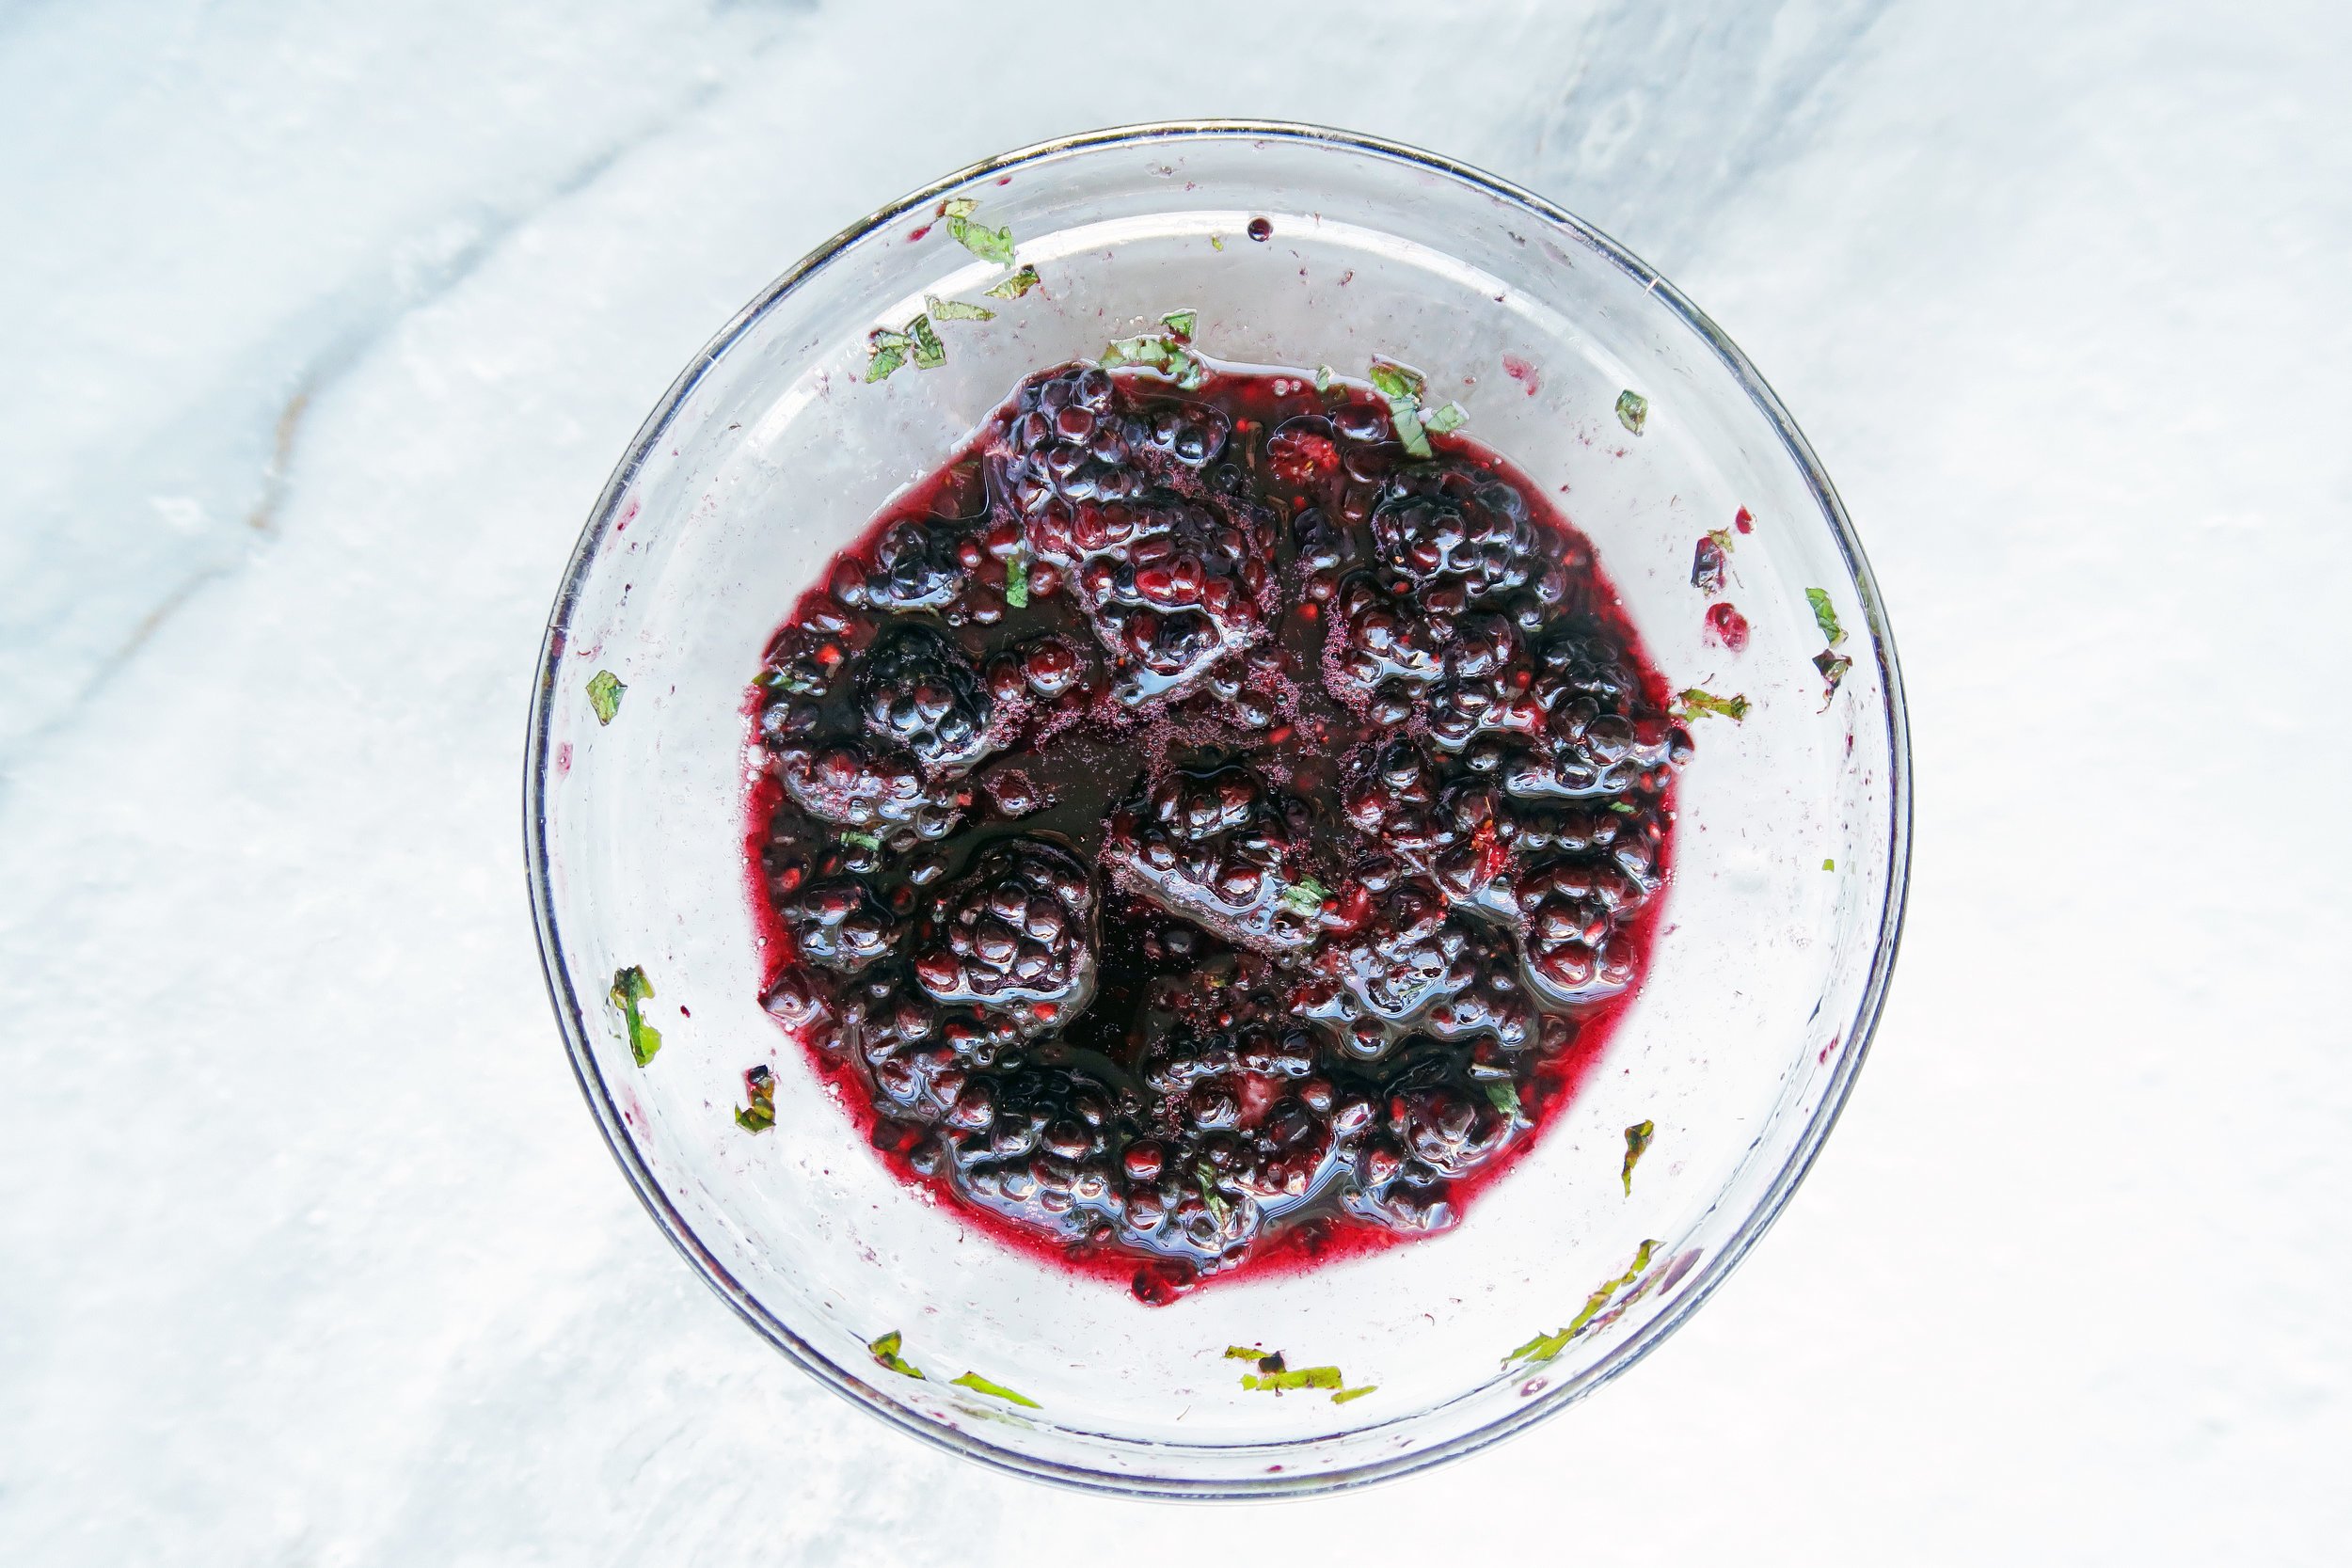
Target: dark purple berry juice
(1197, 834)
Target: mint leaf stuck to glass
(760, 1087)
(1015, 287)
(955, 310)
(1632, 410)
(1637, 1142)
(980, 1385)
(1695, 702)
(886, 1354)
(1017, 580)
(1825, 615)
(604, 695)
(988, 244)
(1545, 1346)
(629, 987)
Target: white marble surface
(323, 324)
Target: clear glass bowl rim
(572, 1018)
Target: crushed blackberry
(1198, 836)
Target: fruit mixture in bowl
(1211, 823)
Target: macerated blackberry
(1017, 930)
(1364, 742)
(918, 691)
(1219, 849)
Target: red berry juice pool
(1197, 834)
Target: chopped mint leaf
(1306, 896)
(1393, 381)
(1159, 352)
(1637, 1140)
(859, 837)
(1545, 1346)
(1298, 1377)
(629, 987)
(886, 1354)
(955, 310)
(604, 695)
(1625, 808)
(1324, 377)
(1504, 1096)
(1723, 540)
(1017, 580)
(1825, 615)
(1695, 702)
(1346, 1394)
(1452, 417)
(929, 352)
(1181, 322)
(1833, 668)
(1632, 410)
(759, 1086)
(1217, 242)
(1015, 287)
(1205, 1180)
(988, 244)
(1829, 865)
(1401, 385)
(978, 1383)
(886, 352)
(958, 207)
(1242, 1352)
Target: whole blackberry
(1575, 910)
(917, 565)
(1450, 525)
(918, 691)
(1017, 932)
(1069, 440)
(846, 784)
(1219, 849)
(1039, 1145)
(1382, 643)
(1171, 586)
(840, 921)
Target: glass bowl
(772, 452)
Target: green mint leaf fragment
(1217, 242)
(1504, 1096)
(1637, 1141)
(1439, 421)
(1205, 1180)
(1015, 287)
(859, 837)
(1825, 615)
(929, 352)
(886, 352)
(760, 1088)
(1829, 865)
(1545, 1346)
(1298, 1377)
(629, 987)
(1393, 381)
(958, 207)
(886, 1354)
(988, 244)
(1695, 702)
(1833, 668)
(1723, 540)
(604, 695)
(955, 310)
(1181, 322)
(1346, 1394)
(1625, 808)
(1409, 430)
(980, 1385)
(1017, 580)
(1632, 410)
(1150, 350)
(1306, 896)
(1242, 1352)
